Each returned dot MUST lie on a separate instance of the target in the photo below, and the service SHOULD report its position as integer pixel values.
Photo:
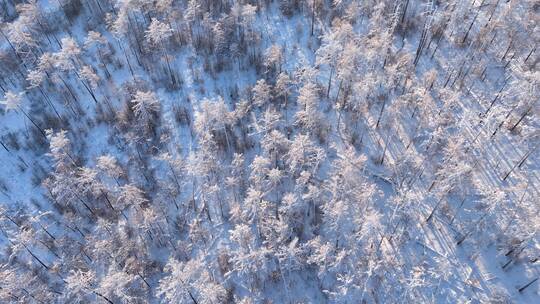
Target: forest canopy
(269, 151)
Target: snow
(454, 254)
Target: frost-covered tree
(108, 165)
(189, 282)
(90, 80)
(248, 259)
(274, 144)
(130, 195)
(309, 116)
(304, 154)
(94, 38)
(290, 258)
(332, 51)
(158, 32)
(80, 287)
(215, 118)
(13, 101)
(274, 58)
(146, 107)
(261, 93)
(88, 74)
(88, 182)
(95, 41)
(283, 88)
(21, 35)
(349, 196)
(60, 149)
(119, 286)
(68, 57)
(158, 35)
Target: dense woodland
(260, 151)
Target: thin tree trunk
(404, 11)
(522, 117)
(102, 296)
(472, 23)
(434, 209)
(527, 285)
(34, 123)
(35, 257)
(329, 82)
(380, 114)
(497, 96)
(312, 16)
(518, 164)
(532, 51)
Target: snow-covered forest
(269, 151)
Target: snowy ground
(427, 253)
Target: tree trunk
(527, 285)
(518, 164)
(434, 209)
(329, 82)
(380, 114)
(404, 11)
(532, 51)
(312, 16)
(497, 96)
(35, 257)
(472, 23)
(34, 123)
(522, 117)
(102, 296)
